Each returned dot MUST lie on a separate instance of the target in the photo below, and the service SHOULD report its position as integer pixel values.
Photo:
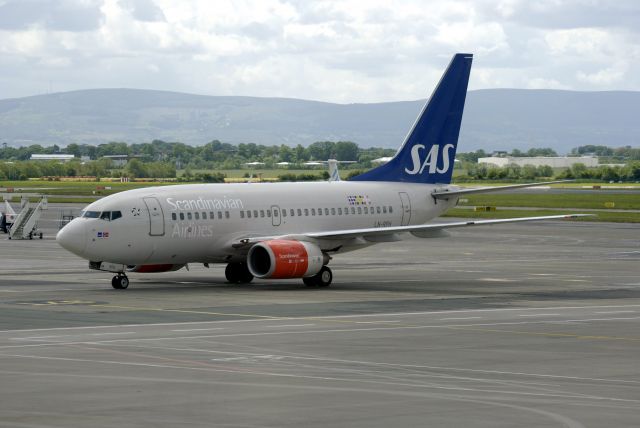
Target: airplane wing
(446, 194)
(382, 231)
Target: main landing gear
(120, 282)
(238, 273)
(321, 279)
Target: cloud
(61, 15)
(332, 50)
(143, 10)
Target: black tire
(238, 273)
(245, 276)
(310, 281)
(324, 277)
(231, 273)
(115, 282)
(120, 282)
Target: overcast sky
(339, 51)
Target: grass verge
(616, 217)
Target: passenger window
(241, 214)
(384, 210)
(174, 216)
(346, 211)
(353, 210)
(326, 211)
(248, 213)
(226, 214)
(220, 215)
(359, 210)
(115, 215)
(268, 213)
(255, 213)
(106, 215)
(378, 210)
(181, 216)
(319, 211)
(390, 209)
(276, 213)
(284, 212)
(197, 215)
(366, 210)
(189, 216)
(306, 212)
(211, 215)
(313, 211)
(292, 212)
(262, 213)
(204, 215)
(299, 212)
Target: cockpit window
(104, 215)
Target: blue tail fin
(428, 153)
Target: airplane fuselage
(202, 222)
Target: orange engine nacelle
(154, 268)
(281, 259)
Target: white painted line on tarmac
(289, 325)
(324, 317)
(459, 318)
(335, 330)
(540, 315)
(199, 329)
(616, 312)
(71, 335)
(378, 322)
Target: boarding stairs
(25, 225)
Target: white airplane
(287, 230)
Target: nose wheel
(120, 282)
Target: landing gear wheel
(120, 282)
(321, 279)
(238, 273)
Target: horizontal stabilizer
(446, 194)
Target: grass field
(617, 217)
(590, 200)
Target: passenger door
(156, 217)
(406, 208)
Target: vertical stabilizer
(428, 152)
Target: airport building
(552, 161)
(62, 158)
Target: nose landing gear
(120, 282)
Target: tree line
(213, 155)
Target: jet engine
(154, 268)
(281, 259)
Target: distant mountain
(494, 119)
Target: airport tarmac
(513, 325)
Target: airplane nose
(72, 237)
